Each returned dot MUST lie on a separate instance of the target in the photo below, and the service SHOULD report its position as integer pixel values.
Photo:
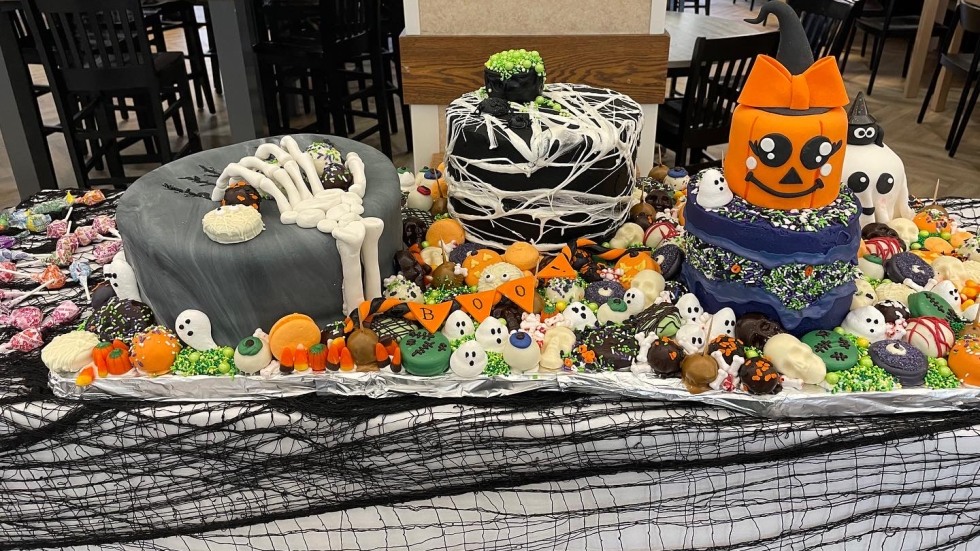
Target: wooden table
(685, 28)
(932, 10)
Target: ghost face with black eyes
(457, 325)
(691, 337)
(690, 308)
(580, 316)
(867, 322)
(713, 190)
(947, 290)
(469, 360)
(722, 324)
(491, 334)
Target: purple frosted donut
(670, 257)
(904, 266)
(601, 291)
(900, 359)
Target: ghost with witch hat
(872, 170)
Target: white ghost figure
(468, 360)
(713, 190)
(864, 295)
(194, 328)
(867, 322)
(420, 198)
(457, 326)
(691, 337)
(947, 290)
(877, 176)
(722, 323)
(690, 308)
(491, 334)
(580, 316)
(122, 278)
(635, 301)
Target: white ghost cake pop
(457, 325)
(194, 328)
(690, 308)
(580, 316)
(469, 360)
(491, 334)
(635, 301)
(947, 290)
(722, 323)
(867, 322)
(713, 190)
(122, 278)
(690, 337)
(495, 275)
(406, 179)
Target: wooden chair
(900, 20)
(703, 116)
(94, 51)
(303, 49)
(165, 15)
(967, 64)
(828, 24)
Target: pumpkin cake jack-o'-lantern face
(789, 131)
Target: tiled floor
(921, 146)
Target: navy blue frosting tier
(738, 228)
(825, 313)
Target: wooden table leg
(20, 120)
(923, 36)
(945, 78)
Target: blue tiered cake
(778, 234)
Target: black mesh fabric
(536, 471)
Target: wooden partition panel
(438, 69)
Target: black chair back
(93, 45)
(827, 24)
(718, 71)
(969, 15)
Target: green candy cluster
(940, 375)
(496, 364)
(512, 62)
(437, 295)
(217, 361)
(862, 378)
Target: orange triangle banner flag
(521, 291)
(477, 305)
(430, 316)
(559, 267)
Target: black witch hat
(862, 128)
(794, 48)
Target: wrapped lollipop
(18, 256)
(63, 313)
(4, 220)
(51, 278)
(23, 318)
(91, 197)
(25, 341)
(104, 225)
(79, 271)
(50, 206)
(86, 235)
(9, 272)
(65, 249)
(105, 251)
(37, 222)
(56, 229)
(7, 241)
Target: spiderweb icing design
(597, 130)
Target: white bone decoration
(294, 184)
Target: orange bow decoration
(770, 85)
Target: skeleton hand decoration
(295, 185)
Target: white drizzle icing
(609, 120)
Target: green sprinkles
(496, 364)
(445, 294)
(206, 362)
(940, 375)
(862, 378)
(454, 344)
(841, 211)
(512, 62)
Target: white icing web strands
(607, 122)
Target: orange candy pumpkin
(153, 351)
